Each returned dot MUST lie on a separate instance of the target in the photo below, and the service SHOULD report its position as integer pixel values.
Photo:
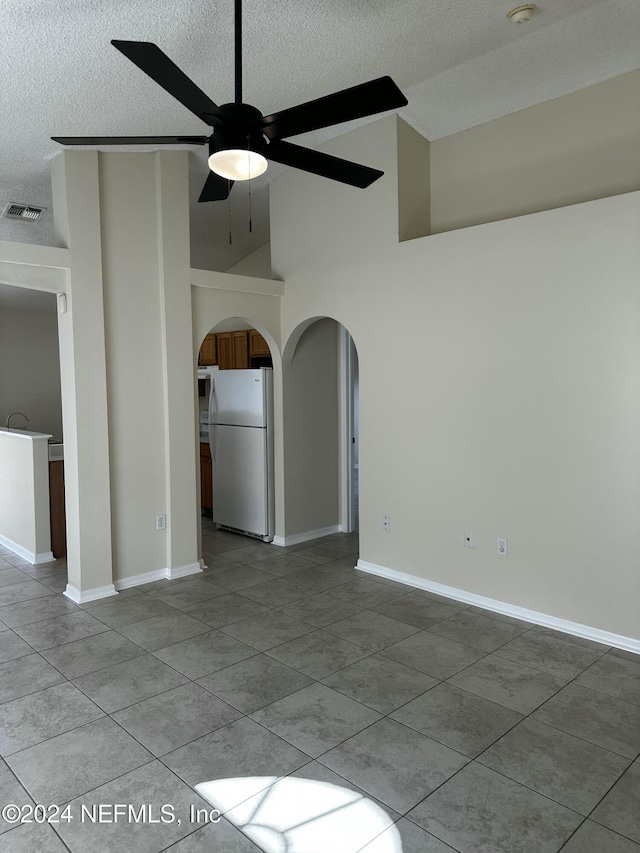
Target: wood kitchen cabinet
(236, 350)
(57, 509)
(208, 351)
(233, 350)
(206, 477)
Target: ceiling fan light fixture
(237, 164)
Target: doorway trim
(346, 358)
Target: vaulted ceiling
(459, 63)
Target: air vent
(22, 211)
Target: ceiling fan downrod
(238, 49)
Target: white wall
(498, 385)
(565, 151)
(30, 369)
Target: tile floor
(324, 709)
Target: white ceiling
(459, 64)
(26, 299)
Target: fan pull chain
(250, 179)
(229, 212)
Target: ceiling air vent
(22, 211)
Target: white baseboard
(25, 554)
(307, 536)
(576, 629)
(84, 596)
(159, 575)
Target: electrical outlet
(503, 547)
(386, 523)
(468, 539)
(161, 522)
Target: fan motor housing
(236, 131)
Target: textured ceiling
(459, 63)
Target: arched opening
(320, 396)
(236, 436)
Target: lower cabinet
(57, 509)
(206, 477)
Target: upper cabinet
(238, 349)
(208, 351)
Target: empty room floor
(316, 707)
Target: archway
(320, 436)
(236, 459)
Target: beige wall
(565, 151)
(30, 369)
(498, 385)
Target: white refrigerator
(241, 441)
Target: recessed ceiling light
(522, 14)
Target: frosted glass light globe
(236, 164)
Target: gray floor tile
(267, 630)
(419, 611)
(24, 591)
(593, 838)
(481, 632)
(434, 655)
(92, 653)
(276, 592)
(583, 642)
(549, 654)
(151, 788)
(26, 675)
(405, 836)
(62, 629)
(320, 610)
(39, 716)
(322, 577)
(11, 791)
(156, 632)
(481, 811)
(318, 654)
(188, 593)
(240, 577)
(380, 683)
(249, 553)
(12, 646)
(365, 592)
(315, 718)
(619, 809)
(123, 684)
(32, 838)
(118, 612)
(222, 836)
(596, 717)
(153, 721)
(565, 768)
(9, 577)
(393, 763)
(55, 583)
(240, 749)
(283, 565)
(204, 654)
(16, 615)
(458, 719)
(634, 657)
(614, 676)
(519, 687)
(254, 683)
(371, 630)
(78, 761)
(226, 609)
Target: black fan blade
(215, 188)
(131, 140)
(321, 164)
(150, 59)
(364, 100)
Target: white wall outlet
(468, 539)
(386, 523)
(503, 547)
(161, 522)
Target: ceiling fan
(242, 139)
